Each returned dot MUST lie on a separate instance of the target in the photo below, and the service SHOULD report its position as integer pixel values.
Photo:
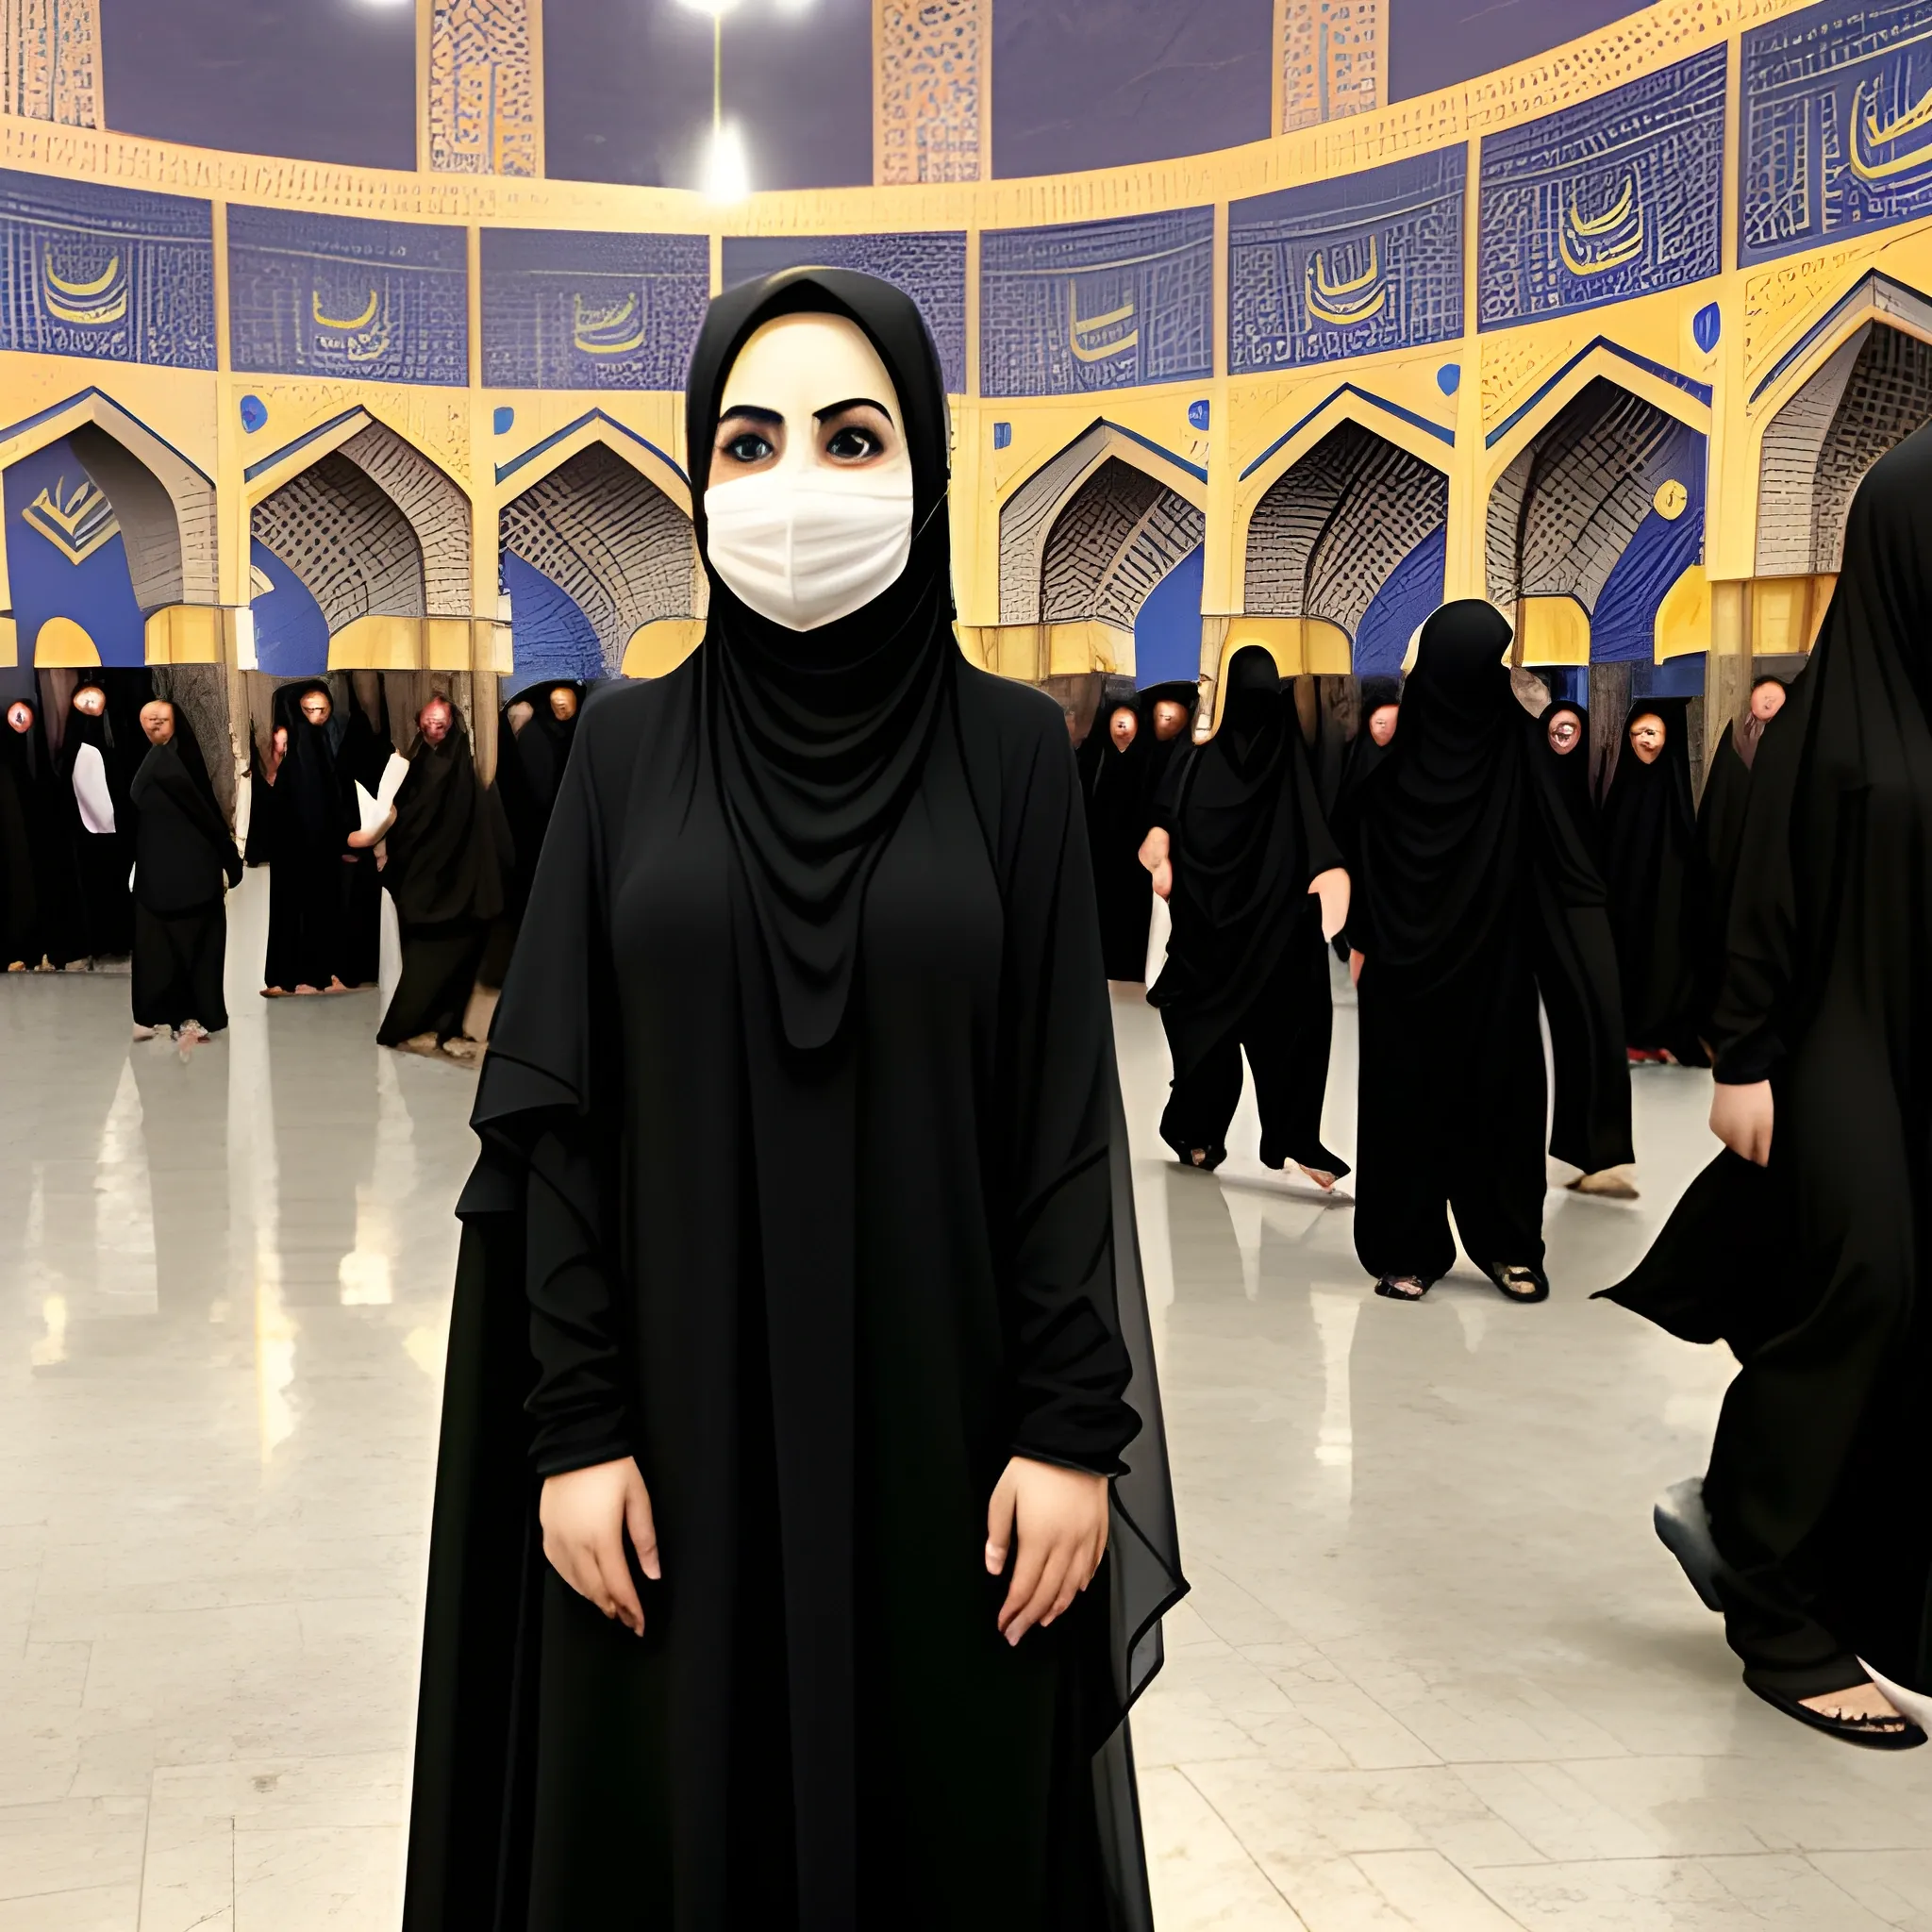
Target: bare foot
(335, 984)
(305, 989)
(1861, 1700)
(1198, 1156)
(1320, 1177)
(143, 1033)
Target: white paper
(91, 790)
(374, 810)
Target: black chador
(530, 760)
(1566, 751)
(311, 814)
(1247, 965)
(96, 764)
(1720, 834)
(39, 911)
(1114, 767)
(367, 747)
(1655, 878)
(447, 855)
(1472, 895)
(803, 1184)
(185, 859)
(1814, 1267)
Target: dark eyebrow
(754, 412)
(851, 403)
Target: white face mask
(806, 547)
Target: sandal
(1521, 1284)
(1403, 1288)
(1877, 1732)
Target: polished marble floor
(1434, 1672)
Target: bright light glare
(711, 8)
(727, 174)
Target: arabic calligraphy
(91, 304)
(76, 519)
(363, 337)
(1594, 244)
(1877, 153)
(1082, 328)
(618, 329)
(1343, 303)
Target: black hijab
(1442, 821)
(530, 761)
(184, 849)
(449, 847)
(1658, 891)
(1749, 730)
(821, 735)
(1364, 755)
(313, 809)
(1247, 837)
(1570, 769)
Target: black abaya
(39, 898)
(367, 747)
(1116, 821)
(1814, 1269)
(448, 853)
(1720, 840)
(1473, 895)
(529, 767)
(1246, 961)
(1657, 893)
(822, 1218)
(311, 813)
(1571, 771)
(102, 860)
(185, 858)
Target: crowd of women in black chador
(810, 969)
(1804, 1245)
(1241, 851)
(185, 860)
(1475, 895)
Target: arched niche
(609, 553)
(1350, 538)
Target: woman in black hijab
(184, 861)
(95, 768)
(37, 902)
(1804, 1245)
(1566, 749)
(804, 1202)
(447, 852)
(1112, 766)
(312, 815)
(1474, 896)
(1656, 879)
(1252, 881)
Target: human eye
(746, 446)
(854, 443)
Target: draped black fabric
(1161, 753)
(529, 767)
(821, 1293)
(184, 852)
(1719, 838)
(1364, 755)
(40, 910)
(1247, 837)
(102, 861)
(1114, 783)
(449, 848)
(367, 746)
(1464, 862)
(1571, 769)
(1658, 893)
(311, 813)
(1815, 1485)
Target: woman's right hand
(1156, 855)
(585, 1514)
(1740, 1117)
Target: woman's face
(1766, 701)
(316, 706)
(1565, 732)
(563, 703)
(1382, 722)
(20, 716)
(1647, 738)
(809, 393)
(1122, 727)
(91, 699)
(157, 721)
(1170, 718)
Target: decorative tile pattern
(482, 99)
(1097, 305)
(927, 102)
(50, 60)
(568, 310)
(1347, 267)
(1616, 198)
(610, 539)
(346, 540)
(1332, 55)
(930, 267)
(1123, 531)
(1837, 124)
(335, 295)
(1332, 530)
(106, 272)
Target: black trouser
(177, 967)
(1285, 1032)
(1452, 1118)
(439, 975)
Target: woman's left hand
(1331, 888)
(1060, 1516)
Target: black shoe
(1537, 1288)
(1897, 1733)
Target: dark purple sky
(1076, 83)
